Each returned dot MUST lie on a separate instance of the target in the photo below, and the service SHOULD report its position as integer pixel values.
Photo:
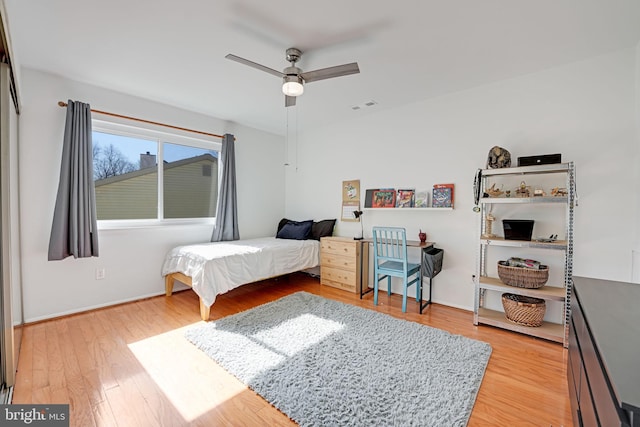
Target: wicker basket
(526, 311)
(522, 277)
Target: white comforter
(218, 267)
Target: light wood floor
(129, 365)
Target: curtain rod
(64, 104)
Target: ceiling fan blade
(254, 65)
(289, 101)
(328, 73)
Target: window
(129, 185)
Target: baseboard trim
(35, 320)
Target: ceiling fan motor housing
(293, 54)
(292, 71)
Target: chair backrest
(390, 244)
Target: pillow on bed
(296, 230)
(282, 222)
(322, 228)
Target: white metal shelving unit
(551, 292)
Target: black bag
(431, 262)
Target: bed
(214, 268)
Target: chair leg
(419, 288)
(375, 290)
(404, 295)
(389, 285)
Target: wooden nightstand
(341, 263)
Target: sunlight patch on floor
(195, 384)
(270, 347)
(191, 381)
(292, 336)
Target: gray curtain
(226, 227)
(74, 230)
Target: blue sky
(133, 147)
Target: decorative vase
(422, 236)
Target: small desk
(365, 266)
(410, 243)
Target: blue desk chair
(390, 260)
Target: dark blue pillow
(281, 224)
(322, 228)
(296, 230)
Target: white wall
(132, 257)
(586, 111)
(583, 110)
(636, 252)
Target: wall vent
(364, 105)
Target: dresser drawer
(577, 318)
(338, 275)
(602, 397)
(574, 360)
(574, 383)
(339, 247)
(598, 393)
(588, 417)
(339, 285)
(339, 261)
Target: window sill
(135, 224)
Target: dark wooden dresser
(604, 353)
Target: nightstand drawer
(339, 285)
(338, 261)
(338, 247)
(338, 275)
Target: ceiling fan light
(292, 86)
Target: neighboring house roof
(145, 171)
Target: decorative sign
(350, 200)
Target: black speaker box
(544, 159)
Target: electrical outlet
(100, 273)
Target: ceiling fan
(294, 78)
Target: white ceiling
(408, 50)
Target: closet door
(10, 278)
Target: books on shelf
(368, 197)
(384, 198)
(443, 196)
(405, 198)
(422, 199)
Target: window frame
(160, 137)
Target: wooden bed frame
(168, 286)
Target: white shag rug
(326, 363)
